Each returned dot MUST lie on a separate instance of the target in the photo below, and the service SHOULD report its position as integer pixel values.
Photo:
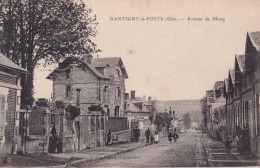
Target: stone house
(138, 111)
(84, 83)
(242, 96)
(10, 91)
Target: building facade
(87, 83)
(10, 91)
(242, 96)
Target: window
(118, 92)
(102, 123)
(67, 91)
(117, 111)
(125, 106)
(105, 94)
(2, 115)
(117, 73)
(78, 97)
(67, 73)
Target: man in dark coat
(170, 137)
(147, 134)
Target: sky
(169, 60)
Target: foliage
(72, 111)
(163, 119)
(187, 120)
(153, 111)
(31, 30)
(95, 108)
(219, 115)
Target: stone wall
(116, 124)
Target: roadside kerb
(76, 162)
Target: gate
(133, 125)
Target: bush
(72, 111)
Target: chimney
(132, 94)
(126, 96)
(88, 58)
(149, 99)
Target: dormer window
(117, 73)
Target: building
(242, 96)
(90, 83)
(136, 107)
(10, 91)
(138, 112)
(216, 111)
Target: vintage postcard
(129, 83)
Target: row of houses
(89, 99)
(241, 92)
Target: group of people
(173, 136)
(55, 141)
(151, 138)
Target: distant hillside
(181, 107)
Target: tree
(203, 105)
(31, 30)
(163, 119)
(187, 120)
(153, 111)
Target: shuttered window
(2, 115)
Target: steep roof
(68, 60)
(226, 85)
(8, 63)
(112, 62)
(241, 62)
(255, 38)
(232, 74)
(218, 85)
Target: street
(183, 153)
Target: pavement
(68, 159)
(191, 150)
(186, 152)
(217, 155)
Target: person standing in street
(147, 134)
(156, 137)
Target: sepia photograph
(129, 83)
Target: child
(170, 137)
